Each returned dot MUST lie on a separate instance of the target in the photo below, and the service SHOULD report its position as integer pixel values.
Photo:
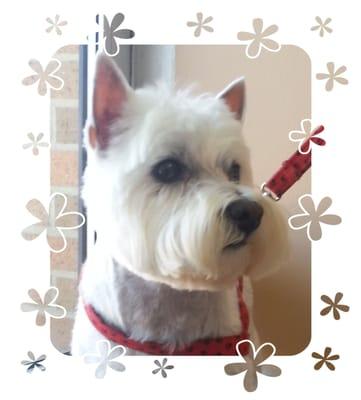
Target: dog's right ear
(110, 94)
(234, 97)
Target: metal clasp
(268, 192)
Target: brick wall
(65, 142)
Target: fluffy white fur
(171, 234)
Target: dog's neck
(148, 310)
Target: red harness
(290, 171)
(225, 346)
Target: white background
(25, 265)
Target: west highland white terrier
(180, 225)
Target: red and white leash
(293, 168)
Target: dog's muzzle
(246, 216)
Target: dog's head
(168, 185)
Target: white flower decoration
(322, 26)
(333, 76)
(105, 358)
(43, 307)
(58, 223)
(35, 143)
(202, 23)
(253, 364)
(55, 24)
(34, 362)
(259, 39)
(45, 76)
(301, 137)
(313, 216)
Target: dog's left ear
(234, 96)
(110, 95)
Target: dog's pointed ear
(110, 94)
(234, 96)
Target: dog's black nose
(246, 214)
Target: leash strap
(293, 168)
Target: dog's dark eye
(234, 172)
(169, 171)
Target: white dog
(168, 188)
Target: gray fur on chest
(157, 312)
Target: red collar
(225, 346)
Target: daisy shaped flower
(162, 367)
(105, 358)
(312, 217)
(334, 306)
(35, 143)
(306, 136)
(333, 76)
(259, 39)
(34, 363)
(44, 76)
(200, 24)
(322, 26)
(55, 24)
(43, 307)
(325, 359)
(52, 222)
(253, 364)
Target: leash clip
(266, 192)
(293, 168)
